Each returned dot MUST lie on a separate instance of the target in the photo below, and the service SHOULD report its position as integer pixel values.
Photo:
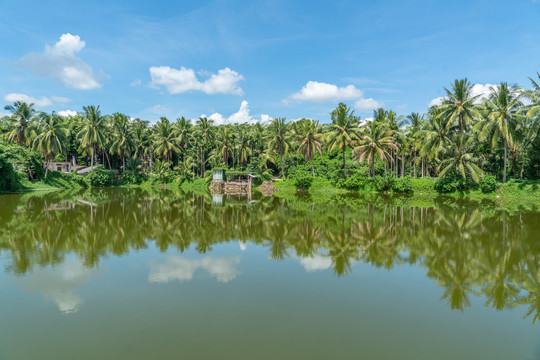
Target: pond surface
(127, 274)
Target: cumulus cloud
(61, 62)
(58, 284)
(182, 269)
(241, 116)
(67, 113)
(480, 90)
(41, 102)
(315, 263)
(315, 91)
(178, 81)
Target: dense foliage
(465, 141)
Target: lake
(132, 274)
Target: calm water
(124, 274)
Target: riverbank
(511, 196)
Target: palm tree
(502, 108)
(93, 130)
(164, 139)
(224, 143)
(459, 108)
(343, 130)
(460, 158)
(53, 138)
(309, 137)
(376, 141)
(123, 144)
(205, 130)
(278, 139)
(182, 129)
(21, 122)
(436, 137)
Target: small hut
(231, 182)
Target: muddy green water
(126, 274)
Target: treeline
(464, 138)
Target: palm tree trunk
(505, 159)
(92, 158)
(312, 167)
(403, 165)
(414, 165)
(47, 168)
(281, 160)
(422, 168)
(344, 165)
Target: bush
(100, 177)
(445, 185)
(354, 182)
(303, 180)
(383, 184)
(8, 178)
(132, 178)
(488, 184)
(403, 185)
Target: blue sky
(247, 60)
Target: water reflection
(467, 250)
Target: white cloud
(41, 102)
(481, 90)
(182, 269)
(67, 113)
(160, 109)
(181, 80)
(239, 117)
(59, 61)
(135, 82)
(315, 263)
(315, 91)
(58, 284)
(367, 104)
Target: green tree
(20, 127)
(309, 138)
(343, 130)
(52, 139)
(376, 141)
(458, 107)
(278, 139)
(93, 130)
(122, 144)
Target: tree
(20, 127)
(343, 130)
(278, 139)
(123, 144)
(376, 141)
(164, 139)
(460, 158)
(309, 138)
(52, 139)
(501, 112)
(93, 130)
(458, 107)
(205, 131)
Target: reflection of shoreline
(183, 269)
(58, 284)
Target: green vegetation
(467, 144)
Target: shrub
(100, 177)
(8, 178)
(445, 185)
(403, 185)
(303, 180)
(354, 182)
(488, 184)
(383, 184)
(132, 178)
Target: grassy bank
(513, 196)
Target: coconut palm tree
(343, 130)
(20, 127)
(122, 144)
(376, 141)
(182, 128)
(309, 138)
(93, 130)
(164, 139)
(224, 143)
(501, 112)
(53, 137)
(205, 131)
(458, 107)
(278, 139)
(459, 157)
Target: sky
(248, 61)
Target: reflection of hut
(231, 182)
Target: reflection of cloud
(314, 263)
(242, 245)
(58, 284)
(182, 269)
